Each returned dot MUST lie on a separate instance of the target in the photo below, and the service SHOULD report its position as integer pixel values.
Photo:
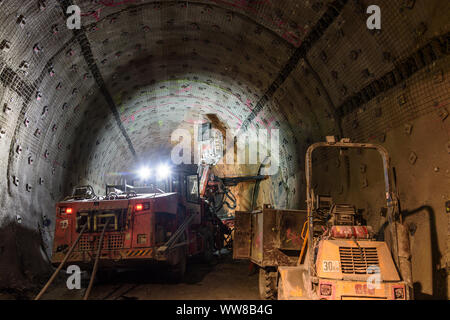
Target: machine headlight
(66, 210)
(144, 173)
(163, 172)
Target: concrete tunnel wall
(79, 106)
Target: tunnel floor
(224, 279)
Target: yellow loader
(340, 258)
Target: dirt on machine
(328, 252)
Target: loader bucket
(292, 283)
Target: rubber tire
(267, 283)
(85, 278)
(105, 276)
(178, 271)
(208, 255)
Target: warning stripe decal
(138, 253)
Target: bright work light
(163, 171)
(144, 173)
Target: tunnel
(82, 106)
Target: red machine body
(143, 228)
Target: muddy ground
(223, 279)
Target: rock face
(80, 106)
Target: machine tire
(178, 270)
(208, 254)
(105, 276)
(267, 283)
(85, 278)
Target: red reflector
(139, 207)
(399, 293)
(68, 210)
(326, 290)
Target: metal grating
(111, 242)
(357, 260)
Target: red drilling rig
(158, 222)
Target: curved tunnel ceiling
(184, 48)
(79, 105)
